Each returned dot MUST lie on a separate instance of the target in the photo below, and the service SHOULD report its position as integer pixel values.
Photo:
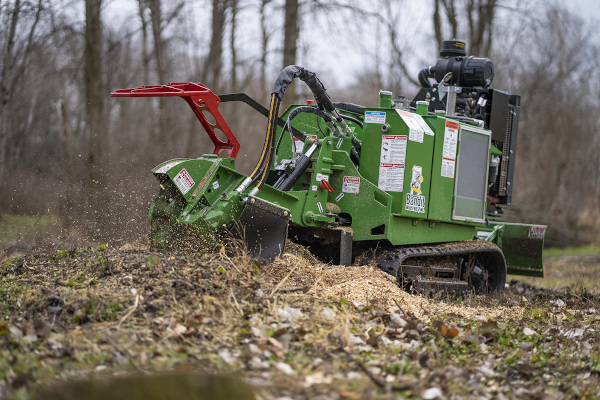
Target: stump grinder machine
(416, 186)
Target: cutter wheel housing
(420, 184)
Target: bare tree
(94, 181)
(291, 31)
(557, 163)
(234, 8)
(16, 56)
(157, 33)
(145, 53)
(214, 62)
(480, 22)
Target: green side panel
(293, 201)
(370, 154)
(522, 246)
(398, 162)
(442, 187)
(404, 231)
(417, 178)
(199, 198)
(359, 200)
(194, 178)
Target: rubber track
(395, 257)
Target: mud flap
(263, 227)
(522, 246)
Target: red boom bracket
(202, 101)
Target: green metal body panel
(389, 157)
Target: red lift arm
(202, 101)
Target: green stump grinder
(415, 186)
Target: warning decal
(423, 124)
(167, 167)
(392, 159)
(449, 151)
(415, 131)
(374, 117)
(351, 184)
(184, 181)
(536, 232)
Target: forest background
(70, 152)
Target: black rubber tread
(395, 257)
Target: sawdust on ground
(367, 286)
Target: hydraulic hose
(261, 171)
(424, 76)
(267, 151)
(271, 133)
(287, 75)
(292, 115)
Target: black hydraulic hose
(293, 114)
(267, 156)
(301, 165)
(291, 72)
(271, 119)
(348, 118)
(308, 109)
(424, 76)
(279, 87)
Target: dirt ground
(89, 321)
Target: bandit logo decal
(415, 201)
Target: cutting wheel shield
(263, 227)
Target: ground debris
(295, 328)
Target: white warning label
(449, 150)
(351, 184)
(447, 168)
(374, 117)
(423, 124)
(391, 177)
(184, 181)
(322, 177)
(392, 159)
(415, 132)
(393, 149)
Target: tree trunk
(214, 62)
(437, 23)
(94, 182)
(163, 133)
(145, 56)
(264, 48)
(232, 47)
(16, 58)
(291, 32)
(156, 18)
